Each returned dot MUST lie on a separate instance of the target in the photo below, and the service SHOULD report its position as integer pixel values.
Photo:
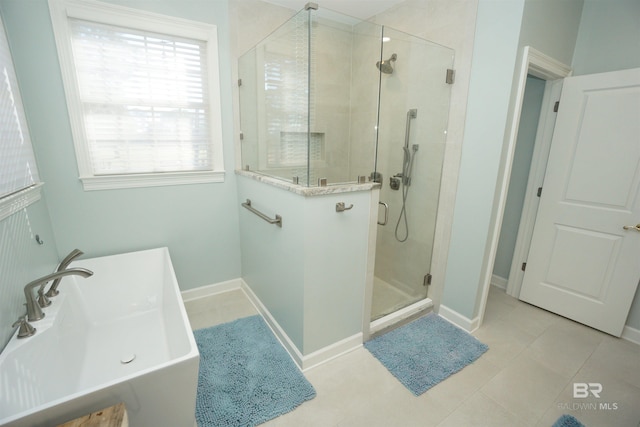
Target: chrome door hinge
(239, 82)
(524, 266)
(556, 106)
(241, 136)
(451, 76)
(427, 279)
(539, 193)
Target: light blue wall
(609, 40)
(272, 257)
(551, 26)
(336, 256)
(199, 223)
(492, 70)
(529, 116)
(503, 28)
(609, 37)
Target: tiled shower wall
(22, 260)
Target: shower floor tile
(387, 299)
(515, 383)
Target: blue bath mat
(567, 421)
(425, 352)
(246, 376)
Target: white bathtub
(73, 364)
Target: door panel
(582, 263)
(606, 145)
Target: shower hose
(406, 182)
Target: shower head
(386, 66)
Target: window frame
(61, 11)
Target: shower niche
(331, 100)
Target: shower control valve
(394, 181)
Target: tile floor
(525, 379)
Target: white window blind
(144, 99)
(17, 163)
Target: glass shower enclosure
(308, 110)
(329, 99)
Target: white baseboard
(499, 282)
(631, 334)
(332, 351)
(458, 319)
(208, 290)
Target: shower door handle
(386, 213)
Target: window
(19, 182)
(143, 95)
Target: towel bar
(277, 221)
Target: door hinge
(524, 266)
(556, 106)
(241, 136)
(539, 193)
(427, 279)
(239, 82)
(451, 76)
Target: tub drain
(127, 358)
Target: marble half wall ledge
(308, 191)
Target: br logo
(583, 390)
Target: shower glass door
(413, 116)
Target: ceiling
(362, 9)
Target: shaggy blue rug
(567, 421)
(426, 351)
(246, 376)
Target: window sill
(17, 201)
(111, 182)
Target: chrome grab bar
(386, 213)
(277, 221)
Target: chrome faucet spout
(34, 312)
(53, 289)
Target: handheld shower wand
(407, 163)
(405, 176)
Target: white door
(582, 263)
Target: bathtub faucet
(53, 290)
(34, 312)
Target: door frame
(546, 68)
(542, 146)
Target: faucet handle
(25, 330)
(43, 300)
